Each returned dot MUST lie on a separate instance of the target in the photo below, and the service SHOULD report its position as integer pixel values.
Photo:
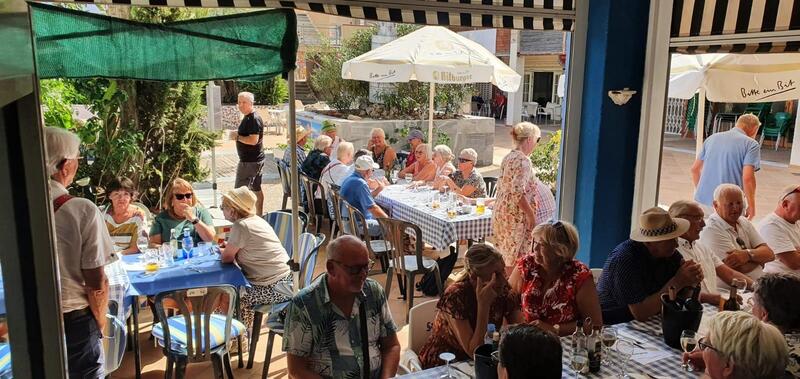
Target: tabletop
(414, 206)
(198, 272)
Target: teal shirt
(164, 223)
(317, 330)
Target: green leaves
(545, 160)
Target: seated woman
(125, 222)
(383, 154)
(442, 157)
(423, 169)
(774, 301)
(556, 289)
(479, 296)
(181, 210)
(256, 248)
(466, 181)
(318, 158)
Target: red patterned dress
(460, 303)
(556, 305)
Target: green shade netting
(249, 46)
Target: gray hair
(748, 120)
(473, 155)
(757, 349)
(681, 208)
(426, 148)
(726, 187)
(247, 95)
(60, 144)
(335, 248)
(444, 151)
(345, 149)
(322, 142)
(377, 130)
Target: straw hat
(301, 132)
(242, 198)
(655, 225)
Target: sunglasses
(741, 243)
(355, 270)
(558, 225)
(464, 160)
(181, 196)
(538, 139)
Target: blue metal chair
(308, 247)
(281, 222)
(283, 173)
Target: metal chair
(281, 222)
(406, 265)
(308, 246)
(355, 223)
(491, 185)
(283, 173)
(316, 207)
(194, 335)
(336, 201)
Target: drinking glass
(608, 336)
(151, 261)
(447, 357)
(688, 343)
(480, 205)
(625, 349)
(579, 360)
(739, 284)
(409, 178)
(203, 249)
(451, 211)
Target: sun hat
(328, 125)
(655, 224)
(416, 133)
(788, 190)
(242, 198)
(365, 162)
(301, 132)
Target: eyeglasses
(418, 152)
(355, 270)
(703, 344)
(181, 196)
(464, 160)
(120, 195)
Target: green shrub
(545, 160)
(268, 92)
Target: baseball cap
(416, 133)
(365, 162)
(788, 190)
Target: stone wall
(231, 116)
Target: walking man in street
(249, 139)
(729, 157)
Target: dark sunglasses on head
(181, 196)
(355, 270)
(741, 243)
(464, 160)
(558, 225)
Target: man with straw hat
(643, 267)
(302, 135)
(330, 129)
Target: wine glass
(608, 336)
(447, 357)
(579, 360)
(625, 349)
(409, 178)
(688, 343)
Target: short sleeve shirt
(126, 234)
(781, 237)
(474, 179)
(707, 260)
(261, 254)
(629, 276)
(356, 191)
(331, 342)
(557, 304)
(724, 156)
(720, 238)
(164, 223)
(251, 124)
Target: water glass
(625, 349)
(203, 249)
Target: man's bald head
(749, 123)
(344, 247)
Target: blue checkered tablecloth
(438, 230)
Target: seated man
(738, 345)
(356, 191)
(526, 349)
(643, 267)
(782, 234)
(732, 237)
(324, 335)
(691, 250)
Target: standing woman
(181, 210)
(125, 222)
(514, 214)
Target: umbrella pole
(700, 124)
(294, 181)
(430, 113)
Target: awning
(735, 26)
(247, 46)
(512, 14)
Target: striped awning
(735, 26)
(512, 14)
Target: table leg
(137, 359)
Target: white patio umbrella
(734, 78)
(432, 54)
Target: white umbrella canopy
(432, 54)
(736, 78)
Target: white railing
(675, 116)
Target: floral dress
(460, 303)
(557, 304)
(512, 231)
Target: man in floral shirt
(324, 328)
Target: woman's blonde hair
(560, 236)
(524, 130)
(444, 151)
(378, 131)
(756, 349)
(426, 148)
(177, 183)
(478, 257)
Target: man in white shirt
(782, 233)
(732, 237)
(691, 250)
(83, 248)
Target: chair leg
(409, 293)
(227, 361)
(438, 280)
(268, 355)
(285, 198)
(168, 370)
(388, 287)
(254, 335)
(239, 353)
(402, 285)
(216, 364)
(180, 368)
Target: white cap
(365, 162)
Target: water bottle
(188, 244)
(173, 243)
(490, 329)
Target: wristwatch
(750, 254)
(195, 221)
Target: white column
(514, 104)
(794, 160)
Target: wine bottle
(693, 303)
(594, 346)
(578, 337)
(672, 299)
(732, 304)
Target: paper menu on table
(645, 352)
